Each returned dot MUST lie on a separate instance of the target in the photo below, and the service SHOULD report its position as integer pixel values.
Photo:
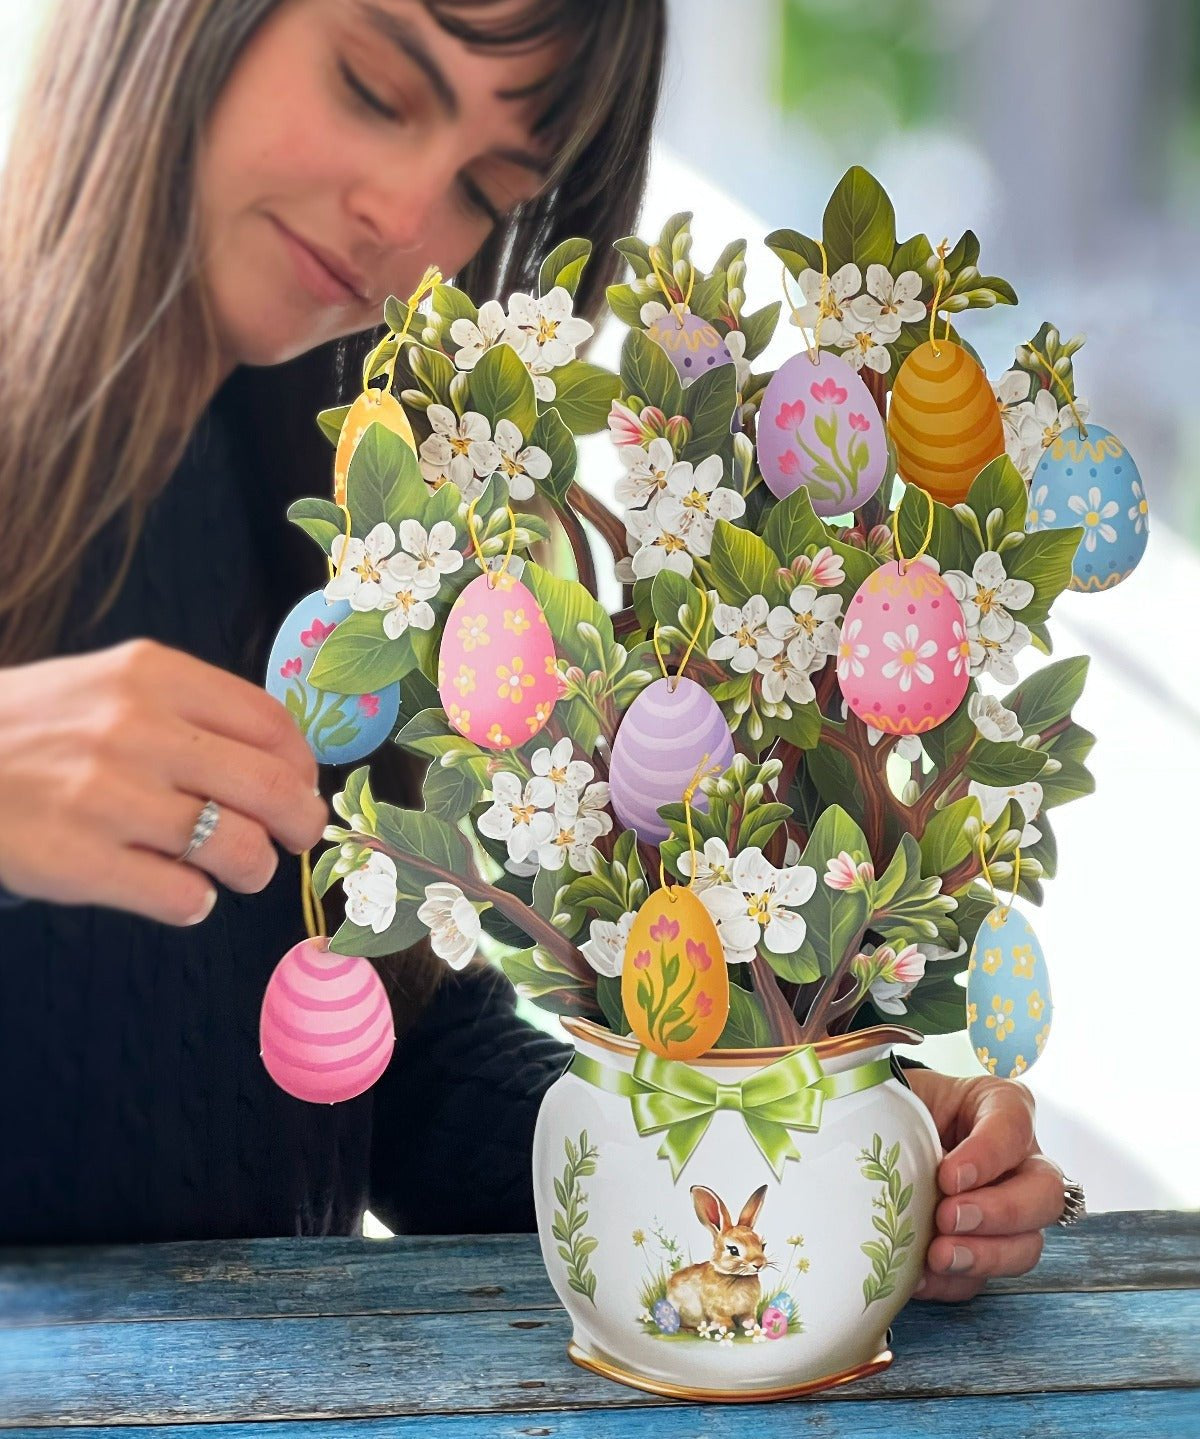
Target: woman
(203, 201)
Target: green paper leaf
(567, 604)
(834, 917)
(1004, 764)
(950, 836)
(564, 266)
(1048, 695)
(742, 563)
(859, 222)
(384, 483)
(538, 976)
(330, 422)
(453, 304)
(938, 1005)
(709, 402)
(1044, 559)
(798, 252)
(759, 328)
(583, 396)
(501, 388)
(793, 528)
(322, 520)
(551, 435)
(358, 658)
(999, 486)
(450, 791)
(647, 371)
(949, 542)
(433, 372)
(747, 1026)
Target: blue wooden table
(462, 1338)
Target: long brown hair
(107, 344)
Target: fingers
(965, 1262)
(1031, 1198)
(259, 785)
(238, 853)
(134, 880)
(998, 1115)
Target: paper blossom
(371, 893)
(604, 948)
(760, 903)
(453, 924)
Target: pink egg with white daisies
(903, 658)
(325, 1030)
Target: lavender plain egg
(671, 727)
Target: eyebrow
(405, 38)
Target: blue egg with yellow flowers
(1009, 1006)
(1088, 478)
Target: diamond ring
(202, 830)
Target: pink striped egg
(325, 1031)
(667, 731)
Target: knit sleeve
(452, 1139)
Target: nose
(758, 1263)
(393, 214)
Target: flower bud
(678, 430)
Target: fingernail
(205, 909)
(962, 1259)
(968, 1216)
(967, 1176)
(922, 1287)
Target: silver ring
(1074, 1206)
(202, 830)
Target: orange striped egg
(373, 407)
(944, 420)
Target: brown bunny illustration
(724, 1290)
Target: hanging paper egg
(692, 342)
(667, 732)
(819, 427)
(944, 420)
(1009, 1007)
(497, 671)
(1092, 482)
(325, 1031)
(674, 981)
(373, 407)
(339, 728)
(903, 656)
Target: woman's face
(354, 144)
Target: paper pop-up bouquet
(769, 803)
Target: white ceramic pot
(688, 1264)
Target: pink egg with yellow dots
(325, 1030)
(903, 657)
(497, 670)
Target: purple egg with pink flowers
(693, 343)
(818, 426)
(672, 728)
(339, 728)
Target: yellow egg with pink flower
(674, 981)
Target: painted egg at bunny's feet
(1009, 1006)
(692, 342)
(818, 426)
(672, 726)
(903, 655)
(497, 671)
(1092, 481)
(339, 728)
(325, 1031)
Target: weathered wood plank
(1130, 1414)
(228, 1370)
(1131, 1249)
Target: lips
(339, 270)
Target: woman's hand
(1000, 1189)
(106, 760)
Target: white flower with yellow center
(453, 924)
(556, 766)
(645, 477)
(475, 337)
(358, 568)
(519, 814)
(695, 498)
(519, 463)
(995, 657)
(657, 545)
(785, 676)
(571, 840)
(987, 595)
(1094, 513)
(543, 330)
(1139, 511)
(826, 310)
(713, 865)
(759, 903)
(604, 948)
(743, 637)
(809, 620)
(992, 720)
(460, 450)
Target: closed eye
(365, 94)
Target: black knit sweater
(133, 1103)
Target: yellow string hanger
(987, 874)
(703, 770)
(310, 901)
(677, 307)
(942, 251)
(1054, 375)
(687, 654)
(904, 563)
(431, 277)
(812, 338)
(492, 575)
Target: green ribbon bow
(667, 1095)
